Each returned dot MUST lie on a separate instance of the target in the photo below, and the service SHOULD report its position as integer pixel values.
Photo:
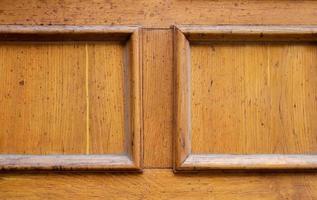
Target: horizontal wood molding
(257, 161)
(131, 159)
(184, 158)
(248, 33)
(65, 33)
(66, 162)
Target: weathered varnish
(251, 121)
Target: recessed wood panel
(106, 98)
(74, 91)
(254, 98)
(246, 97)
(42, 98)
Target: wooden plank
(159, 184)
(42, 101)
(158, 13)
(158, 98)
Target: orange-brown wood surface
(251, 98)
(110, 68)
(159, 184)
(158, 13)
(158, 98)
(43, 104)
(106, 98)
(115, 91)
(199, 110)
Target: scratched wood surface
(106, 98)
(159, 184)
(250, 98)
(55, 98)
(158, 94)
(158, 13)
(158, 98)
(42, 98)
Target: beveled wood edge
(137, 108)
(43, 29)
(13, 162)
(184, 160)
(201, 162)
(181, 140)
(202, 33)
(133, 160)
(66, 32)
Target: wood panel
(70, 96)
(42, 101)
(159, 184)
(254, 98)
(158, 97)
(152, 184)
(158, 13)
(248, 91)
(106, 98)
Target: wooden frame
(131, 160)
(184, 160)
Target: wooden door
(158, 99)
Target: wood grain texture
(158, 13)
(42, 101)
(267, 101)
(134, 138)
(106, 98)
(250, 162)
(65, 33)
(69, 30)
(158, 97)
(101, 113)
(254, 98)
(182, 139)
(159, 184)
(66, 162)
(249, 33)
(156, 184)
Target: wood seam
(87, 100)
